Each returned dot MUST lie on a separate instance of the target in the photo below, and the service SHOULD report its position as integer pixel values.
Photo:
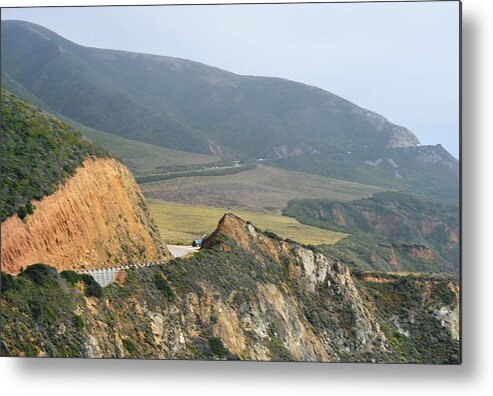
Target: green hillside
(422, 231)
(38, 152)
(425, 169)
(142, 158)
(184, 104)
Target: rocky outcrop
(421, 314)
(312, 272)
(397, 136)
(419, 251)
(96, 218)
(246, 295)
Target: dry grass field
(180, 224)
(266, 189)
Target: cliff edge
(97, 218)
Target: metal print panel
(268, 182)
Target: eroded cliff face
(96, 218)
(259, 297)
(326, 297)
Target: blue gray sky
(398, 59)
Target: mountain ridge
(204, 79)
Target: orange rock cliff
(97, 218)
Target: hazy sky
(398, 59)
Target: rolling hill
(184, 104)
(189, 106)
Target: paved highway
(180, 251)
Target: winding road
(180, 251)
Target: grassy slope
(182, 223)
(264, 189)
(169, 101)
(141, 157)
(426, 169)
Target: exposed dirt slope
(96, 218)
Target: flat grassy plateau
(265, 189)
(181, 224)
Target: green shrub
(78, 322)
(218, 348)
(279, 351)
(163, 286)
(7, 282)
(94, 290)
(71, 276)
(39, 273)
(129, 346)
(91, 289)
(273, 235)
(22, 212)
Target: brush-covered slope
(184, 104)
(391, 231)
(65, 202)
(38, 153)
(247, 295)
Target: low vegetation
(218, 348)
(162, 285)
(142, 158)
(427, 169)
(391, 230)
(91, 287)
(38, 153)
(372, 252)
(407, 307)
(265, 189)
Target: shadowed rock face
(97, 218)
